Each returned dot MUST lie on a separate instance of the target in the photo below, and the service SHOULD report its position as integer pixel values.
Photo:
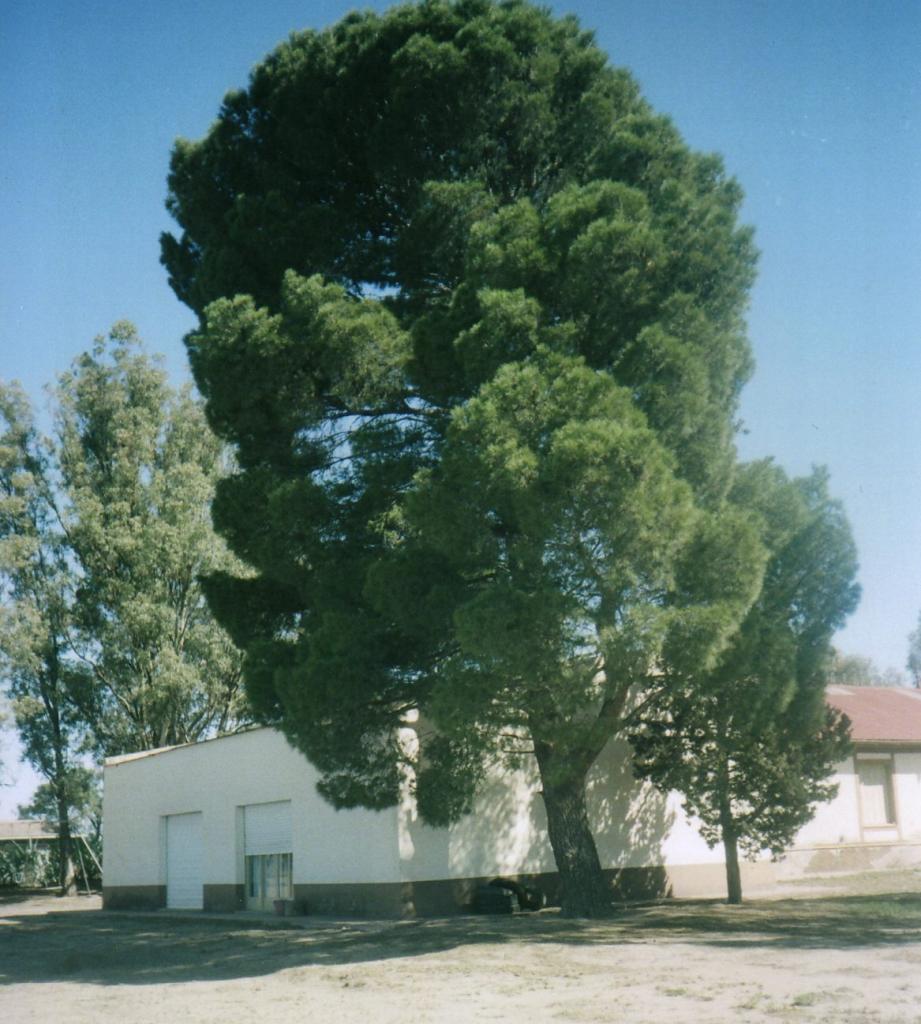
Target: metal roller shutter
(184, 861)
(267, 828)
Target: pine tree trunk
(731, 847)
(584, 891)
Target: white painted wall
(217, 778)
(907, 785)
(838, 821)
(505, 834)
(635, 826)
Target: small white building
(236, 822)
(875, 820)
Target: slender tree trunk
(59, 744)
(584, 891)
(65, 844)
(731, 847)
(63, 811)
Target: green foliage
(80, 791)
(28, 865)
(914, 655)
(471, 317)
(107, 643)
(138, 468)
(750, 742)
(37, 585)
(83, 795)
(856, 670)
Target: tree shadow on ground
(23, 894)
(821, 923)
(121, 948)
(16, 896)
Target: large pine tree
(471, 315)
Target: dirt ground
(840, 952)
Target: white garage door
(267, 828)
(269, 858)
(184, 861)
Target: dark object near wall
(487, 899)
(528, 897)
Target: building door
(184, 861)
(268, 850)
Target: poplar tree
(471, 317)
(107, 645)
(36, 617)
(137, 469)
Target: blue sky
(815, 107)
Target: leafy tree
(83, 793)
(471, 317)
(85, 801)
(751, 743)
(856, 670)
(107, 643)
(138, 467)
(914, 655)
(853, 670)
(37, 585)
(4, 716)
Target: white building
(236, 822)
(875, 820)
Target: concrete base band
(133, 897)
(444, 897)
(223, 899)
(823, 860)
(217, 898)
(438, 898)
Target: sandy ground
(848, 954)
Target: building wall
(389, 862)
(218, 778)
(838, 839)
(838, 821)
(645, 840)
(907, 779)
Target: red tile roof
(879, 714)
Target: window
(267, 849)
(877, 805)
(268, 877)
